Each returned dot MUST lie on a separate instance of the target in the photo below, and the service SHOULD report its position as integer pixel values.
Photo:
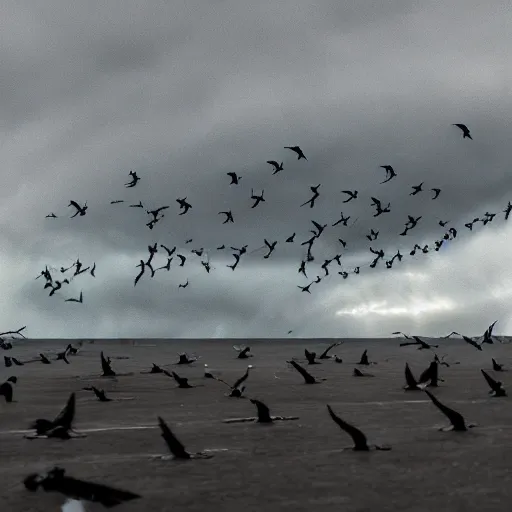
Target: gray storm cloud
(183, 93)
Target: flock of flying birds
(147, 267)
(61, 427)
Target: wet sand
(294, 465)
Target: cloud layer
(184, 92)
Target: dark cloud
(184, 93)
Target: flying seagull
(496, 386)
(456, 419)
(175, 447)
(297, 150)
(360, 441)
(465, 130)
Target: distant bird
(310, 356)
(135, 180)
(79, 300)
(390, 173)
(184, 285)
(507, 210)
(436, 191)
(465, 130)
(93, 269)
(314, 197)
(80, 210)
(257, 199)
(360, 441)
(416, 189)
(271, 247)
(243, 351)
(51, 216)
(443, 223)
(306, 288)
(234, 178)
(277, 167)
(324, 354)
(351, 195)
(373, 235)
(56, 480)
(229, 216)
(181, 381)
(117, 201)
(139, 205)
(297, 150)
(290, 239)
(184, 205)
(411, 382)
(100, 394)
(142, 268)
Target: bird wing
(492, 383)
(242, 379)
(330, 347)
(175, 447)
(409, 377)
(263, 411)
(307, 376)
(456, 419)
(66, 416)
(357, 436)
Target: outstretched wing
(360, 442)
(67, 415)
(175, 447)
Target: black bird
(308, 378)
(277, 167)
(7, 388)
(324, 354)
(343, 220)
(185, 359)
(7, 361)
(56, 480)
(263, 411)
(342, 242)
(139, 205)
(436, 191)
(297, 150)
(61, 356)
(496, 386)
(360, 441)
(229, 216)
(234, 178)
(61, 427)
(416, 189)
(456, 419)
(135, 180)
(106, 367)
(142, 268)
(182, 259)
(422, 344)
(358, 373)
(236, 390)
(182, 381)
(243, 351)
(319, 227)
(314, 197)
(443, 223)
(237, 260)
(431, 374)
(51, 216)
(184, 205)
(302, 269)
(93, 269)
(495, 366)
(100, 394)
(475, 344)
(271, 248)
(175, 447)
(390, 173)
(306, 288)
(183, 285)
(507, 210)
(290, 239)
(465, 130)
(257, 199)
(310, 356)
(352, 195)
(364, 358)
(44, 359)
(117, 201)
(411, 382)
(373, 235)
(378, 205)
(79, 209)
(79, 300)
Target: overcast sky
(184, 92)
